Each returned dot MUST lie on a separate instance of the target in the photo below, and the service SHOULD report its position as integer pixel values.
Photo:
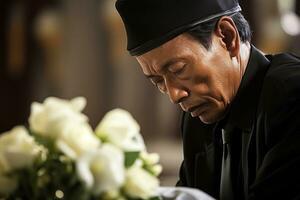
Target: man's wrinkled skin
(203, 82)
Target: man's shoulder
(283, 68)
(282, 81)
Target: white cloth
(182, 193)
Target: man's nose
(176, 93)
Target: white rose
(17, 149)
(3, 164)
(77, 139)
(7, 185)
(102, 170)
(139, 183)
(156, 169)
(119, 128)
(149, 158)
(49, 118)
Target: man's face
(203, 82)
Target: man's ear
(228, 34)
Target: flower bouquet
(60, 157)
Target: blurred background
(69, 48)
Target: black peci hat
(150, 23)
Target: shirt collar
(243, 108)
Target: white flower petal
(66, 149)
(48, 119)
(106, 164)
(120, 129)
(150, 158)
(78, 103)
(139, 183)
(18, 149)
(77, 139)
(83, 169)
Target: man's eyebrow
(163, 67)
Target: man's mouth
(197, 110)
(192, 109)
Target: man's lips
(197, 110)
(191, 109)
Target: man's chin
(206, 121)
(209, 119)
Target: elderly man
(241, 121)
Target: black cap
(150, 23)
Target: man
(241, 130)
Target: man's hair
(203, 31)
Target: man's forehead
(169, 48)
(163, 55)
(171, 51)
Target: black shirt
(240, 118)
(264, 121)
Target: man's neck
(244, 56)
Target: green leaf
(130, 158)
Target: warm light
(290, 23)
(59, 194)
